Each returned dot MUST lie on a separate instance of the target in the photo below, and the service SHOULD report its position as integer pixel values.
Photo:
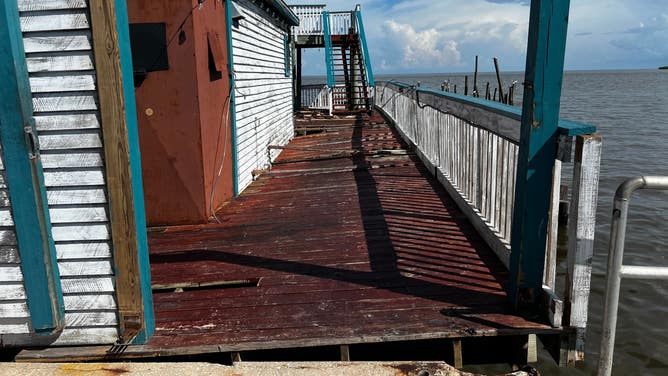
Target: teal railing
(328, 49)
(365, 49)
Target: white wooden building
(261, 49)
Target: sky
(441, 36)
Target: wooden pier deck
(347, 240)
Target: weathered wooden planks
(476, 163)
(358, 256)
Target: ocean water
(630, 109)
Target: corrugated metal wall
(264, 98)
(57, 41)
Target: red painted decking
(349, 248)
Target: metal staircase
(349, 74)
(350, 82)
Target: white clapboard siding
(66, 141)
(66, 122)
(66, 62)
(9, 254)
(76, 196)
(72, 160)
(32, 5)
(59, 56)
(62, 82)
(54, 20)
(83, 250)
(14, 314)
(264, 95)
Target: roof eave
(285, 11)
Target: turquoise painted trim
(565, 127)
(233, 99)
(548, 25)
(574, 128)
(365, 49)
(123, 29)
(328, 49)
(286, 53)
(26, 182)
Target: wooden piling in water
(498, 78)
(475, 79)
(466, 85)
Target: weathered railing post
(540, 115)
(581, 229)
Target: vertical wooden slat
(550, 274)
(548, 24)
(458, 360)
(581, 229)
(118, 121)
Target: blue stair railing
(327, 36)
(365, 49)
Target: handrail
(328, 49)
(472, 147)
(310, 19)
(616, 270)
(315, 97)
(566, 127)
(365, 49)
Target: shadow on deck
(352, 241)
(348, 240)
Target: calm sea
(630, 109)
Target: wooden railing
(315, 97)
(310, 19)
(472, 146)
(340, 22)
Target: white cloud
(598, 33)
(428, 47)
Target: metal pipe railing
(616, 270)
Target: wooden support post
(457, 357)
(498, 77)
(548, 24)
(298, 80)
(475, 79)
(113, 64)
(550, 273)
(345, 353)
(466, 85)
(532, 349)
(235, 357)
(581, 229)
